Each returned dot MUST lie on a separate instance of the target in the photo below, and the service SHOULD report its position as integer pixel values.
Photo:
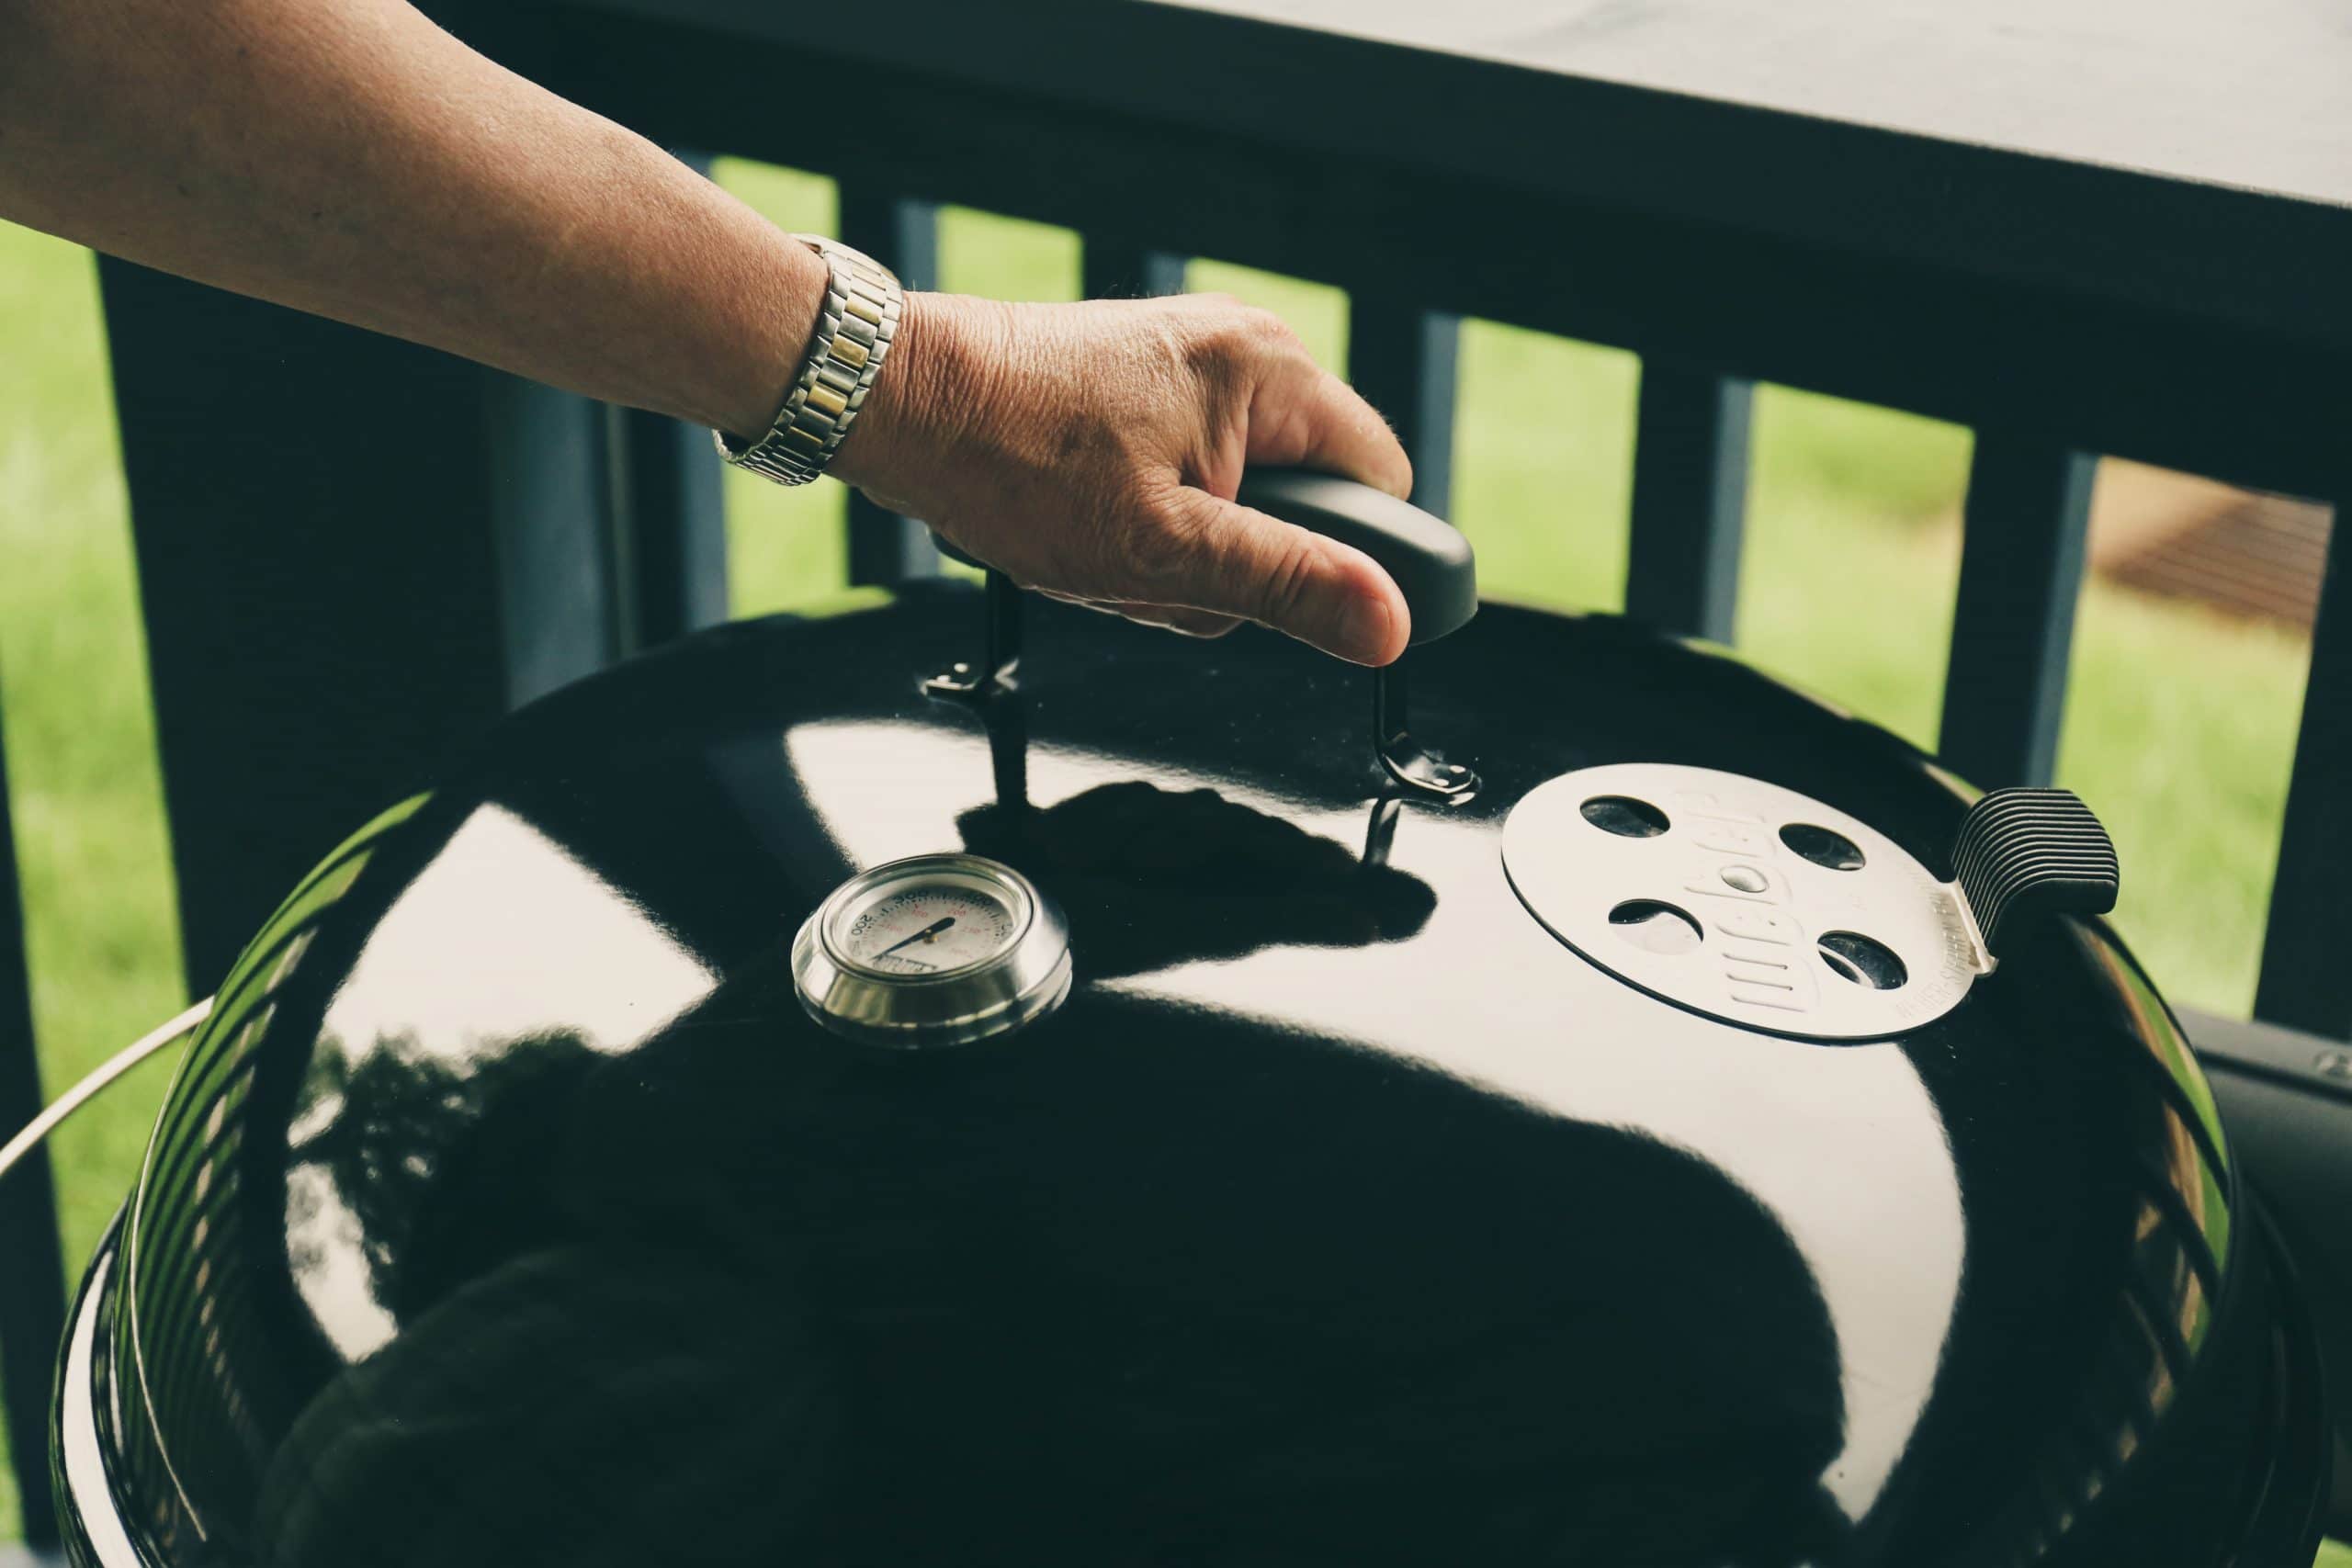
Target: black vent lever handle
(2026, 854)
(1427, 557)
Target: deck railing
(353, 552)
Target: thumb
(1333, 596)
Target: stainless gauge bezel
(1025, 980)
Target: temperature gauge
(938, 949)
(932, 927)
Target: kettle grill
(977, 1082)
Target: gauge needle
(925, 935)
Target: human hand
(1092, 451)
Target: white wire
(121, 1062)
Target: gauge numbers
(925, 930)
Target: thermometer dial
(937, 950)
(930, 928)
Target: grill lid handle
(1431, 563)
(1428, 557)
(2026, 854)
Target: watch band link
(854, 326)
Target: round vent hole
(1863, 962)
(1625, 816)
(1655, 927)
(1821, 847)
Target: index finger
(1303, 416)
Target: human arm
(353, 159)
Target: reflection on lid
(558, 956)
(1875, 1180)
(558, 946)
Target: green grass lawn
(2179, 731)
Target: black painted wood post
(32, 1275)
(354, 554)
(667, 507)
(553, 514)
(1114, 269)
(2013, 627)
(1405, 361)
(903, 235)
(670, 528)
(2306, 981)
(1690, 446)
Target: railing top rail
(2210, 180)
(2254, 99)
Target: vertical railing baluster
(2306, 981)
(1404, 360)
(1689, 500)
(1115, 269)
(551, 512)
(669, 527)
(666, 511)
(903, 235)
(32, 1277)
(2013, 626)
(314, 518)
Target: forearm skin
(352, 159)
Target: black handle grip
(1428, 559)
(2026, 854)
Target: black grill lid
(509, 1207)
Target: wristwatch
(854, 331)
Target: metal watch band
(854, 331)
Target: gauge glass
(929, 923)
